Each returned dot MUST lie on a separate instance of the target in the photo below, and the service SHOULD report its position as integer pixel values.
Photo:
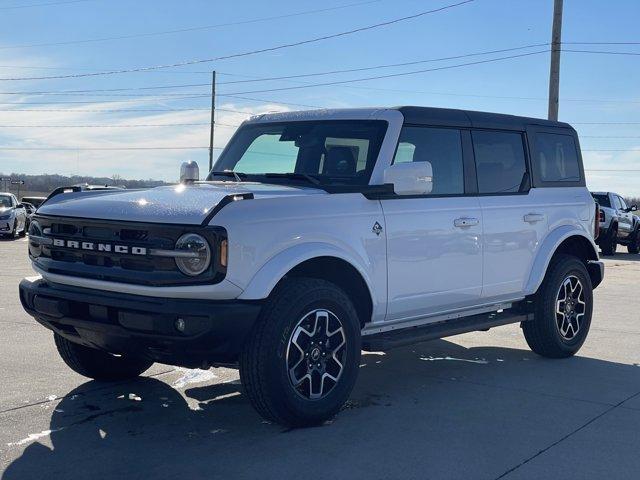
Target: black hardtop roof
(468, 118)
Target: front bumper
(214, 331)
(6, 226)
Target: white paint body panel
(432, 263)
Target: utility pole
(554, 70)
(213, 120)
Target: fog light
(180, 325)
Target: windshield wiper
(230, 173)
(295, 175)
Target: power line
(51, 4)
(286, 77)
(130, 125)
(609, 136)
(391, 65)
(602, 52)
(108, 148)
(188, 29)
(609, 150)
(377, 77)
(601, 43)
(251, 52)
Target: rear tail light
(597, 218)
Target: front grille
(144, 269)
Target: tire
(14, 232)
(634, 244)
(555, 335)
(97, 364)
(610, 244)
(278, 353)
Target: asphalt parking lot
(476, 406)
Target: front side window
(623, 204)
(556, 158)
(500, 161)
(331, 152)
(442, 147)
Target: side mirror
(189, 172)
(19, 205)
(411, 178)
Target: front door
(625, 218)
(434, 250)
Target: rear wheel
(634, 244)
(97, 364)
(301, 361)
(610, 244)
(563, 309)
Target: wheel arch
(321, 261)
(567, 240)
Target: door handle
(533, 217)
(465, 222)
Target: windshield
(602, 199)
(326, 152)
(5, 201)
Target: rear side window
(500, 161)
(602, 199)
(556, 158)
(442, 147)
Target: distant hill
(42, 185)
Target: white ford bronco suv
(315, 236)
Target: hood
(177, 204)
(4, 210)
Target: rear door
(514, 222)
(434, 242)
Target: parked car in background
(13, 216)
(35, 201)
(617, 224)
(30, 210)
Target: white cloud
(157, 164)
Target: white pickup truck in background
(617, 224)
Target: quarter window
(556, 158)
(442, 147)
(500, 161)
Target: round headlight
(35, 248)
(199, 254)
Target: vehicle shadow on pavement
(436, 407)
(630, 257)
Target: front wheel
(610, 244)
(301, 361)
(563, 309)
(97, 364)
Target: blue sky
(594, 87)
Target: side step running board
(409, 335)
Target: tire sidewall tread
(263, 359)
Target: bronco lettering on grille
(99, 247)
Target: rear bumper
(214, 331)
